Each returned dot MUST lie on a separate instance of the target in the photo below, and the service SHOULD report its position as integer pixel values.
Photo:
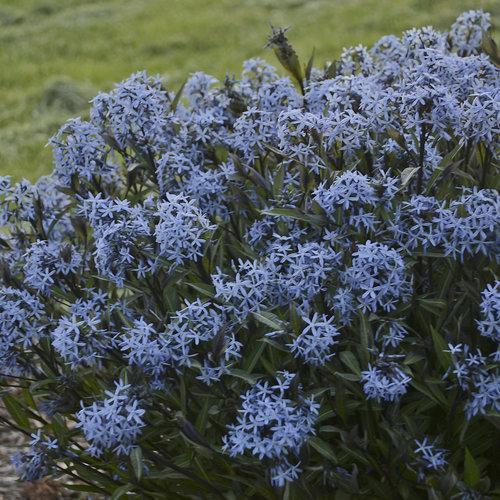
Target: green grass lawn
(55, 54)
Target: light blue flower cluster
(38, 460)
(467, 226)
(346, 199)
(80, 340)
(45, 261)
(350, 190)
(142, 346)
(385, 380)
(80, 152)
(489, 325)
(199, 334)
(430, 456)
(316, 340)
(286, 273)
(113, 423)
(201, 324)
(271, 425)
(135, 112)
(485, 395)
(42, 203)
(467, 31)
(20, 325)
(470, 225)
(118, 230)
(391, 333)
(378, 277)
(181, 230)
(477, 376)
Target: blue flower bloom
(468, 30)
(392, 333)
(182, 229)
(38, 460)
(118, 229)
(476, 377)
(314, 344)
(45, 261)
(485, 395)
(431, 457)
(114, 423)
(271, 425)
(20, 326)
(385, 381)
(377, 276)
(81, 341)
(136, 113)
(80, 150)
(489, 325)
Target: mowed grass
(56, 54)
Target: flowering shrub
(269, 287)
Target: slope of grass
(55, 54)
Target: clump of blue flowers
(113, 423)
(272, 426)
(266, 287)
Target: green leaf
(365, 331)
(490, 47)
(286, 54)
(350, 450)
(434, 306)
(183, 395)
(339, 400)
(203, 289)
(201, 419)
(309, 66)
(166, 473)
(278, 181)
(295, 213)
(275, 150)
(323, 448)
(348, 376)
(4, 244)
(472, 474)
(331, 70)
(440, 347)
(119, 492)
(177, 97)
(252, 360)
(58, 427)
(330, 428)
(88, 473)
(413, 358)
(273, 343)
(244, 375)
(431, 392)
(443, 165)
(325, 415)
(83, 487)
(136, 460)
(407, 175)
(493, 418)
(268, 319)
(16, 411)
(30, 402)
(351, 362)
(256, 178)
